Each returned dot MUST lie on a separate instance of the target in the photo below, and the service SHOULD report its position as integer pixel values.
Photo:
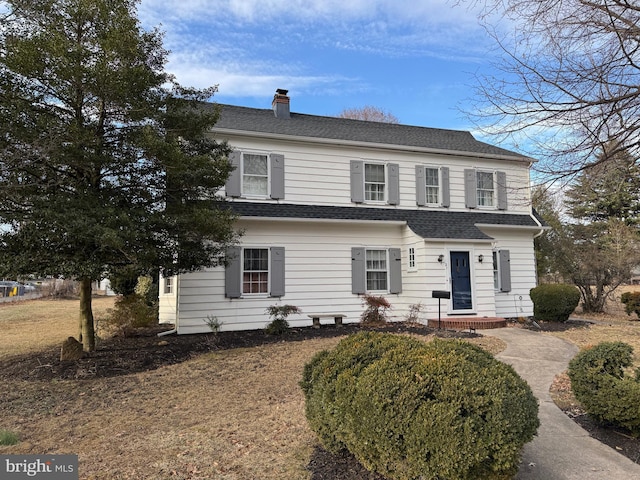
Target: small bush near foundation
(376, 309)
(631, 302)
(410, 410)
(600, 384)
(279, 314)
(554, 302)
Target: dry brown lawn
(234, 414)
(31, 325)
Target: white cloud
(239, 44)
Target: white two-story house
(332, 209)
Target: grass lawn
(31, 325)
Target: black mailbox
(440, 294)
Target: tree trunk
(87, 332)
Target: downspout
(175, 329)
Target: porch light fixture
(480, 258)
(440, 258)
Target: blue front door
(461, 281)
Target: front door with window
(461, 281)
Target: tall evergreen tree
(610, 188)
(105, 162)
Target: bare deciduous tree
(569, 81)
(369, 113)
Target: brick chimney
(280, 104)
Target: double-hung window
(374, 182)
(485, 189)
(432, 185)
(376, 268)
(255, 270)
(168, 285)
(255, 174)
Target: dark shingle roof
(300, 125)
(426, 223)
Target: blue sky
(416, 59)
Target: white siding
(318, 275)
(517, 302)
(319, 174)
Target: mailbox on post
(440, 294)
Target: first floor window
(502, 271)
(412, 258)
(374, 182)
(485, 189)
(168, 285)
(376, 268)
(255, 272)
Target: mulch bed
(146, 351)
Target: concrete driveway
(562, 449)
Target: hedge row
(409, 409)
(600, 384)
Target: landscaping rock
(71, 350)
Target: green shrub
(600, 384)
(279, 314)
(129, 313)
(554, 302)
(631, 302)
(409, 410)
(7, 437)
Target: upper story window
(374, 182)
(256, 174)
(485, 189)
(432, 186)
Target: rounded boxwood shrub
(409, 409)
(554, 302)
(599, 382)
(631, 302)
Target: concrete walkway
(562, 449)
